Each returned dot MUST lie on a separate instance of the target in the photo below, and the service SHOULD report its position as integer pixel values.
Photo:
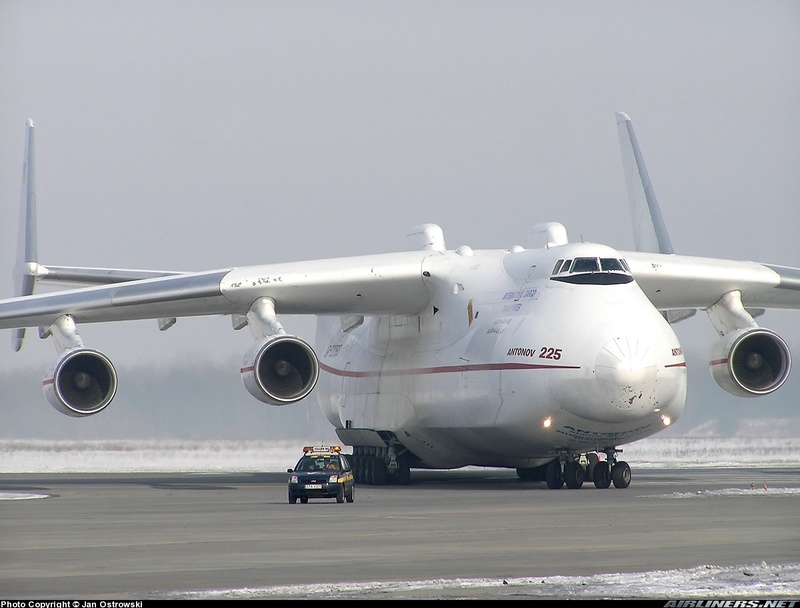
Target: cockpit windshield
(592, 271)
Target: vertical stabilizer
(649, 230)
(27, 256)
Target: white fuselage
(508, 367)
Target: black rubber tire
(573, 475)
(601, 475)
(621, 475)
(380, 474)
(553, 475)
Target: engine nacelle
(280, 369)
(751, 362)
(80, 383)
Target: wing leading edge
(375, 284)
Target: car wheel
(292, 499)
(303, 499)
(340, 495)
(351, 495)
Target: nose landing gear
(571, 470)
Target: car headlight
(293, 479)
(333, 478)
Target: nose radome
(626, 371)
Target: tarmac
(101, 536)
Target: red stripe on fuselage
(443, 369)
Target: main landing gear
(572, 471)
(380, 466)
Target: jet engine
(280, 369)
(751, 362)
(80, 383)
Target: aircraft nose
(626, 373)
(633, 375)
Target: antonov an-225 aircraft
(545, 358)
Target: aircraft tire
(380, 473)
(553, 475)
(601, 475)
(621, 475)
(573, 475)
(368, 469)
(402, 475)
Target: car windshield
(318, 464)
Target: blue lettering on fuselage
(587, 435)
(522, 294)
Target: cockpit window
(585, 265)
(592, 271)
(611, 264)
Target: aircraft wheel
(358, 468)
(601, 475)
(380, 473)
(553, 476)
(621, 475)
(573, 475)
(402, 475)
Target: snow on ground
(39, 456)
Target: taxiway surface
(140, 536)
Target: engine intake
(280, 369)
(751, 362)
(80, 383)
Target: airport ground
(140, 536)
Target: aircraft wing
(373, 284)
(682, 282)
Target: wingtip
(622, 117)
(29, 123)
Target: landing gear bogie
(573, 469)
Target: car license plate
(313, 486)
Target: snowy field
(33, 456)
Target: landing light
(547, 422)
(666, 420)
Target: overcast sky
(190, 135)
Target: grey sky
(202, 134)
